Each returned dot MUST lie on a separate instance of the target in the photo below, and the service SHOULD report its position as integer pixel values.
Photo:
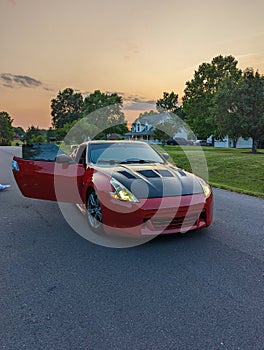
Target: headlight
(121, 192)
(206, 187)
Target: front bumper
(154, 216)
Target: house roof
(153, 119)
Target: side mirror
(64, 158)
(165, 156)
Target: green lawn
(232, 169)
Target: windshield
(124, 153)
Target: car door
(45, 172)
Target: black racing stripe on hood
(164, 180)
(156, 186)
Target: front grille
(174, 223)
(167, 219)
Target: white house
(143, 129)
(227, 142)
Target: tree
(120, 129)
(34, 135)
(6, 129)
(239, 107)
(169, 103)
(143, 114)
(66, 107)
(77, 131)
(199, 94)
(164, 130)
(104, 111)
(51, 134)
(226, 113)
(249, 100)
(19, 132)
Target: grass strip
(235, 170)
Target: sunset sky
(136, 48)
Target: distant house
(143, 129)
(227, 142)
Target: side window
(45, 152)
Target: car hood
(154, 180)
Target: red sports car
(124, 187)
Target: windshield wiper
(127, 161)
(136, 161)
(108, 161)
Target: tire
(94, 212)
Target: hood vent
(179, 171)
(127, 174)
(165, 173)
(148, 173)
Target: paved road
(203, 290)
